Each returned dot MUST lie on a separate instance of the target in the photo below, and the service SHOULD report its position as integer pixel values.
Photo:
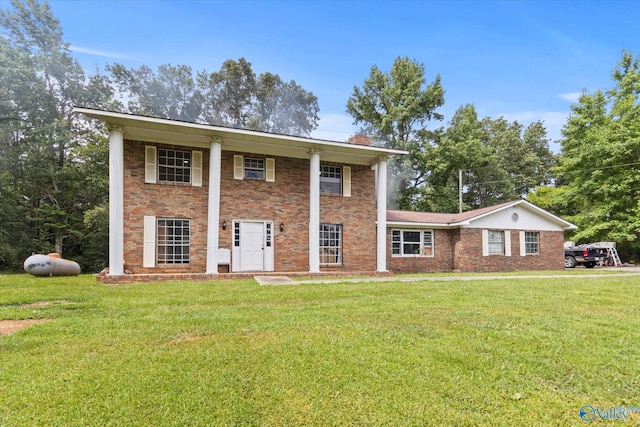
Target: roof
(453, 220)
(152, 129)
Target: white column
(213, 218)
(116, 201)
(381, 196)
(314, 212)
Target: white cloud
(334, 127)
(96, 52)
(570, 96)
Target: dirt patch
(41, 304)
(8, 327)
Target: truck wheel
(570, 262)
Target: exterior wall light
(281, 227)
(224, 225)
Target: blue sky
(524, 60)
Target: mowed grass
(505, 352)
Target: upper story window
(167, 165)
(412, 242)
(258, 168)
(254, 168)
(330, 179)
(174, 165)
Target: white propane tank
(50, 265)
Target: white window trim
(422, 245)
(269, 168)
(151, 166)
(332, 180)
(523, 243)
(340, 248)
(506, 243)
(157, 242)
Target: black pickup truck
(585, 255)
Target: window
(253, 168)
(532, 243)
(174, 165)
(257, 168)
(330, 179)
(412, 242)
(236, 234)
(496, 242)
(172, 241)
(330, 244)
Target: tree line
(54, 163)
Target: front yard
(515, 351)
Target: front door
(252, 246)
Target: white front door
(252, 246)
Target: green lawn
(506, 352)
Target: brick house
(197, 199)
(507, 237)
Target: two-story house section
(187, 198)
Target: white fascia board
(565, 224)
(526, 205)
(204, 130)
(401, 224)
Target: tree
(284, 108)
(396, 108)
(600, 158)
(171, 92)
(232, 96)
(228, 93)
(463, 146)
(501, 161)
(40, 135)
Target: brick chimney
(360, 139)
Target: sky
(522, 60)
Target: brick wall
(461, 250)
(162, 200)
(444, 241)
(468, 253)
(284, 201)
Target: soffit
(198, 135)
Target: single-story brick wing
(506, 237)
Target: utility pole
(460, 189)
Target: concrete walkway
(615, 272)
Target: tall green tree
(600, 160)
(283, 108)
(39, 133)
(232, 96)
(500, 161)
(169, 92)
(228, 93)
(464, 146)
(396, 107)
